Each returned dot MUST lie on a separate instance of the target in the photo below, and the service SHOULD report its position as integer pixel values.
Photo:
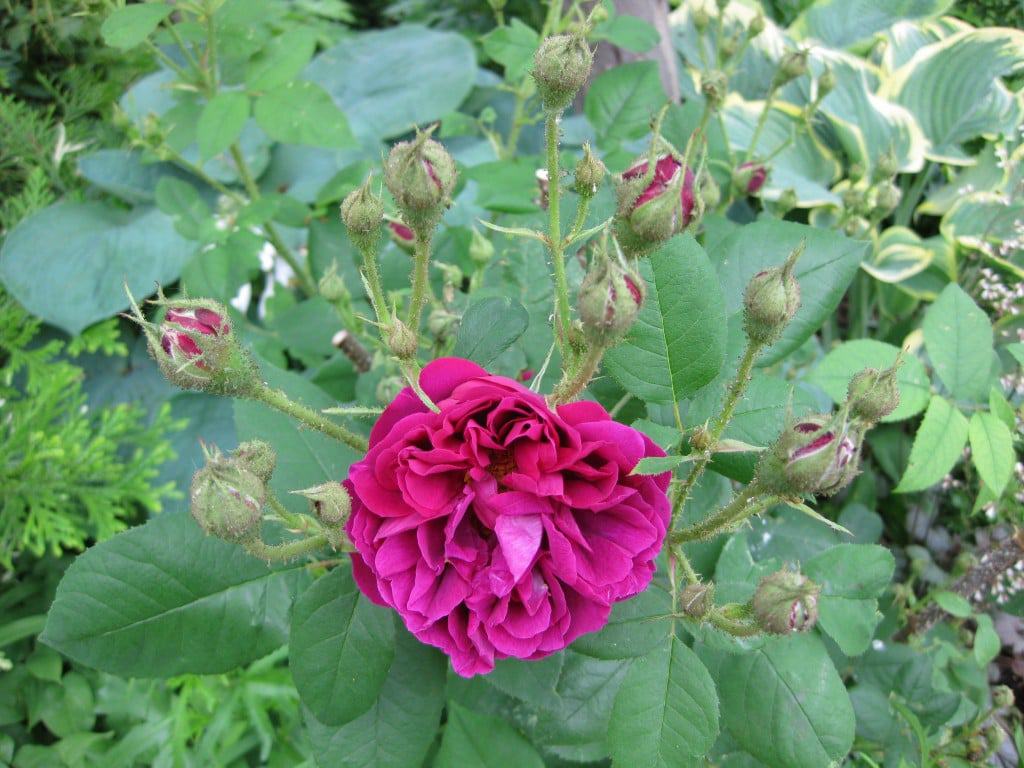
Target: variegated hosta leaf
(985, 175)
(802, 164)
(954, 90)
(849, 23)
(898, 255)
(905, 38)
(992, 223)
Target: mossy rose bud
(814, 455)
(873, 394)
(332, 285)
(420, 174)
(887, 196)
(715, 86)
(258, 457)
(749, 177)
(609, 301)
(401, 340)
(770, 301)
(826, 83)
(653, 204)
(226, 499)
(786, 602)
(362, 212)
(481, 249)
(792, 66)
(590, 172)
(329, 501)
(560, 68)
(402, 236)
(756, 26)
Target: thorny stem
(573, 383)
(735, 627)
(294, 521)
(582, 206)
(420, 281)
(742, 506)
(277, 399)
(290, 551)
(562, 312)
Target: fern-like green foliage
(69, 474)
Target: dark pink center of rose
(176, 344)
(665, 171)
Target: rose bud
(750, 177)
(401, 341)
(332, 285)
(697, 600)
(714, 85)
(402, 236)
(770, 301)
(886, 166)
(1003, 697)
(887, 196)
(525, 375)
(481, 250)
(226, 498)
(653, 206)
(874, 394)
(756, 26)
(730, 45)
(857, 228)
(710, 194)
(420, 174)
(258, 457)
(560, 68)
(442, 324)
(787, 201)
(826, 83)
(609, 301)
(786, 602)
(331, 505)
(362, 213)
(792, 66)
(590, 172)
(701, 17)
(815, 455)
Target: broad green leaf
(304, 457)
(737, 574)
(678, 342)
(953, 604)
(851, 576)
(505, 186)
(834, 372)
(219, 272)
(68, 263)
(301, 112)
(666, 712)
(844, 23)
(987, 643)
(399, 727)
(489, 327)
(1001, 408)
(991, 450)
(958, 337)
(905, 38)
(128, 26)
(954, 90)
(629, 32)
(635, 627)
(824, 271)
(182, 203)
(621, 101)
(124, 173)
(982, 220)
(281, 60)
(899, 254)
(512, 46)
(164, 599)
(531, 681)
(937, 446)
(655, 465)
(482, 741)
(340, 648)
(221, 122)
(392, 79)
(784, 702)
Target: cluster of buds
(560, 68)
(785, 602)
(770, 301)
(195, 347)
(420, 174)
(228, 493)
(817, 455)
(609, 301)
(655, 201)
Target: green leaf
(489, 327)
(784, 702)
(221, 122)
(512, 46)
(505, 186)
(340, 649)
(218, 273)
(958, 337)
(400, 725)
(655, 465)
(164, 599)
(128, 26)
(1001, 408)
(953, 604)
(985, 221)
(281, 60)
(678, 342)
(953, 89)
(852, 576)
(68, 263)
(666, 712)
(182, 203)
(395, 78)
(532, 681)
(824, 272)
(834, 372)
(843, 23)
(629, 32)
(635, 627)
(482, 741)
(991, 450)
(124, 173)
(301, 112)
(736, 573)
(621, 101)
(986, 640)
(937, 446)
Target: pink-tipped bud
(420, 174)
(815, 455)
(770, 301)
(874, 394)
(402, 236)
(786, 602)
(750, 177)
(609, 301)
(653, 204)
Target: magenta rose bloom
(500, 527)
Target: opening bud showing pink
(750, 177)
(609, 301)
(196, 348)
(560, 68)
(590, 172)
(362, 213)
(814, 455)
(770, 301)
(401, 235)
(227, 498)
(873, 394)
(653, 204)
(785, 602)
(420, 174)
